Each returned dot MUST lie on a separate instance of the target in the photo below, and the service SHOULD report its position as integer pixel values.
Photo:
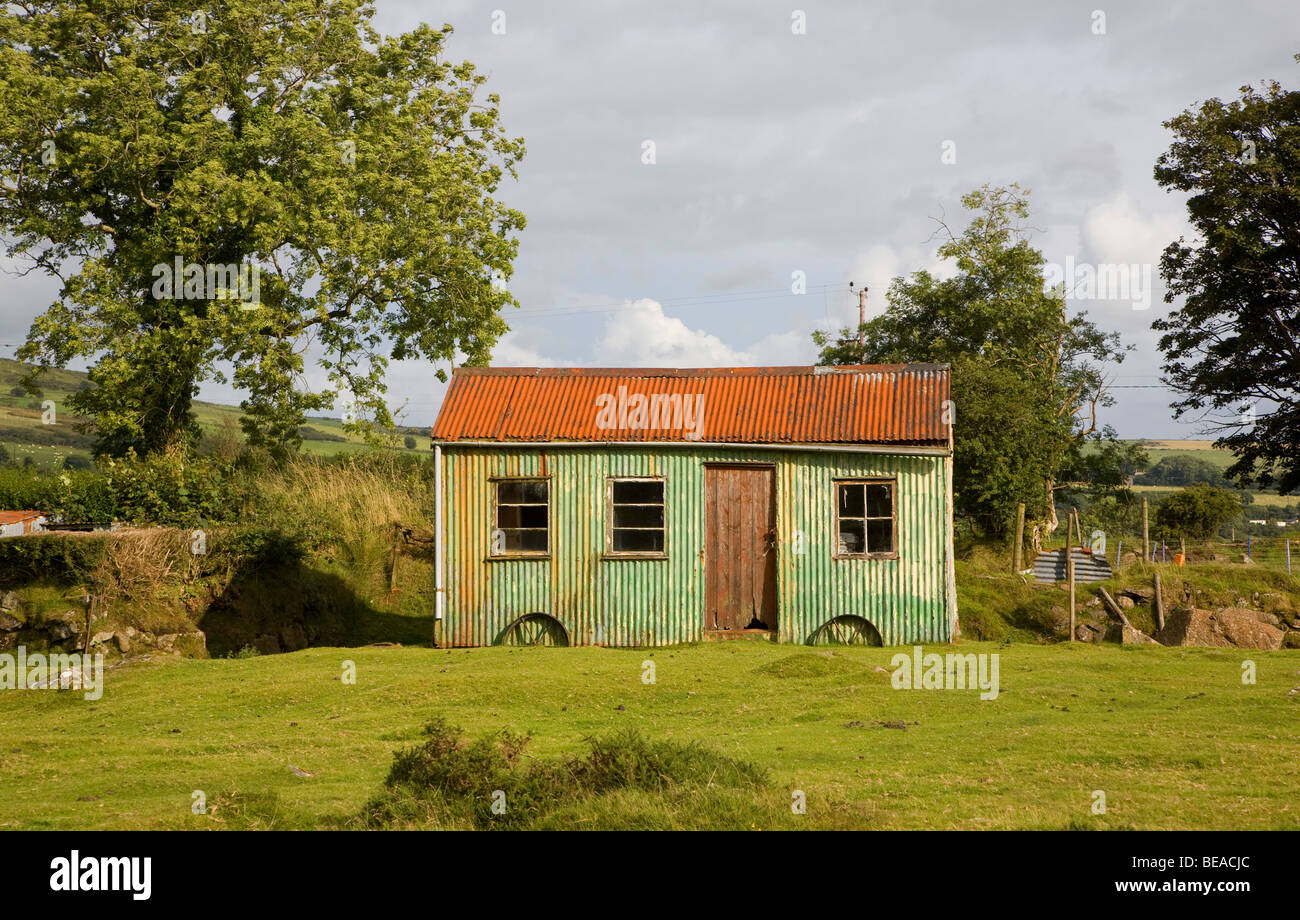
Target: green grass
(1172, 736)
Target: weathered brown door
(740, 547)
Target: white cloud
(643, 336)
(1118, 232)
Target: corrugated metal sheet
(1049, 567)
(624, 602)
(864, 404)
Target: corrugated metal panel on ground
(1049, 567)
(863, 404)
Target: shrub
(450, 780)
(174, 489)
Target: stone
(123, 641)
(1128, 559)
(1226, 628)
(1260, 615)
(1139, 593)
(59, 630)
(1128, 635)
(9, 622)
(101, 638)
(1125, 602)
(9, 601)
(1086, 632)
(293, 638)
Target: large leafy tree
(357, 173)
(1197, 512)
(1027, 375)
(1232, 350)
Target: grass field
(1171, 736)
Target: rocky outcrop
(1230, 627)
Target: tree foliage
(1026, 374)
(1232, 350)
(356, 172)
(1197, 512)
(1183, 471)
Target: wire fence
(1279, 553)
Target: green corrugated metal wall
(661, 602)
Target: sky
(818, 140)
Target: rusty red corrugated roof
(17, 517)
(851, 404)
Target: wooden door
(740, 547)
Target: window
(865, 518)
(523, 518)
(636, 518)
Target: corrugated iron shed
(899, 404)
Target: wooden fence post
(1158, 605)
(1018, 558)
(1069, 577)
(1146, 542)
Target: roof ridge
(773, 371)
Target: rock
(1292, 640)
(1139, 593)
(293, 638)
(1086, 632)
(1218, 557)
(1246, 560)
(100, 638)
(123, 640)
(9, 622)
(1125, 602)
(1260, 615)
(1128, 559)
(1128, 635)
(9, 602)
(59, 630)
(1227, 628)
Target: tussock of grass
(487, 784)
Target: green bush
(447, 780)
(51, 556)
(175, 490)
(74, 495)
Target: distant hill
(24, 434)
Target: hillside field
(24, 435)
